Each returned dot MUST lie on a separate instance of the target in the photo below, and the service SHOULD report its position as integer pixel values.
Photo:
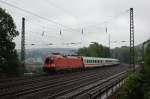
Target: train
(57, 61)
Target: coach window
(85, 61)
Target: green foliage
(137, 85)
(94, 50)
(147, 55)
(132, 88)
(9, 63)
(123, 54)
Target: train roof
(58, 55)
(98, 58)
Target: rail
(80, 85)
(101, 89)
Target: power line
(46, 18)
(108, 21)
(33, 21)
(64, 10)
(34, 14)
(42, 33)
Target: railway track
(40, 84)
(10, 83)
(63, 87)
(13, 82)
(49, 87)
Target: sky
(78, 23)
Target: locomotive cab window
(48, 61)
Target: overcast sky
(71, 16)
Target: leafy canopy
(94, 50)
(8, 56)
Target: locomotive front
(49, 64)
(57, 62)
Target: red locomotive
(58, 61)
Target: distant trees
(9, 64)
(94, 50)
(98, 50)
(123, 54)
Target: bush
(137, 85)
(132, 89)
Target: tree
(132, 89)
(9, 64)
(123, 54)
(94, 50)
(83, 51)
(147, 54)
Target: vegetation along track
(58, 85)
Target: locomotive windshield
(48, 61)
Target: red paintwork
(62, 62)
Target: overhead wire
(47, 26)
(59, 7)
(64, 10)
(41, 17)
(108, 21)
(34, 14)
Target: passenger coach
(97, 62)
